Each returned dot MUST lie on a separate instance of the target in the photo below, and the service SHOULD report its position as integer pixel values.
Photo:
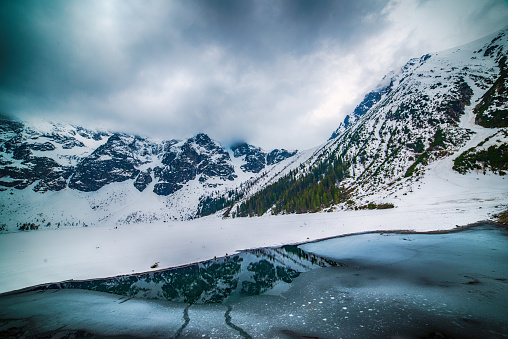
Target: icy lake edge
(418, 288)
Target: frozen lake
(368, 285)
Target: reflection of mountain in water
(250, 272)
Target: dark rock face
(166, 188)
(492, 111)
(278, 155)
(8, 125)
(216, 161)
(20, 142)
(197, 156)
(21, 152)
(72, 143)
(111, 162)
(66, 141)
(52, 176)
(257, 159)
(367, 103)
(31, 168)
(55, 177)
(255, 162)
(254, 156)
(54, 182)
(454, 106)
(241, 149)
(97, 136)
(144, 179)
(47, 146)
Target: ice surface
(395, 285)
(253, 272)
(101, 313)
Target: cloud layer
(278, 73)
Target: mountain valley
(444, 110)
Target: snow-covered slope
(442, 115)
(424, 116)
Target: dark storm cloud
(275, 73)
(262, 29)
(39, 53)
(65, 57)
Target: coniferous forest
(300, 191)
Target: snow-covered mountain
(436, 107)
(447, 108)
(440, 111)
(431, 141)
(54, 174)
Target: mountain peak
(202, 139)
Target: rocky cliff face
(256, 159)
(367, 103)
(52, 157)
(114, 161)
(28, 157)
(199, 157)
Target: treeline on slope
(489, 112)
(494, 158)
(210, 205)
(311, 192)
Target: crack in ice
(227, 315)
(186, 322)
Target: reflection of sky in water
(392, 285)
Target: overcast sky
(272, 73)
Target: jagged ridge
(52, 157)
